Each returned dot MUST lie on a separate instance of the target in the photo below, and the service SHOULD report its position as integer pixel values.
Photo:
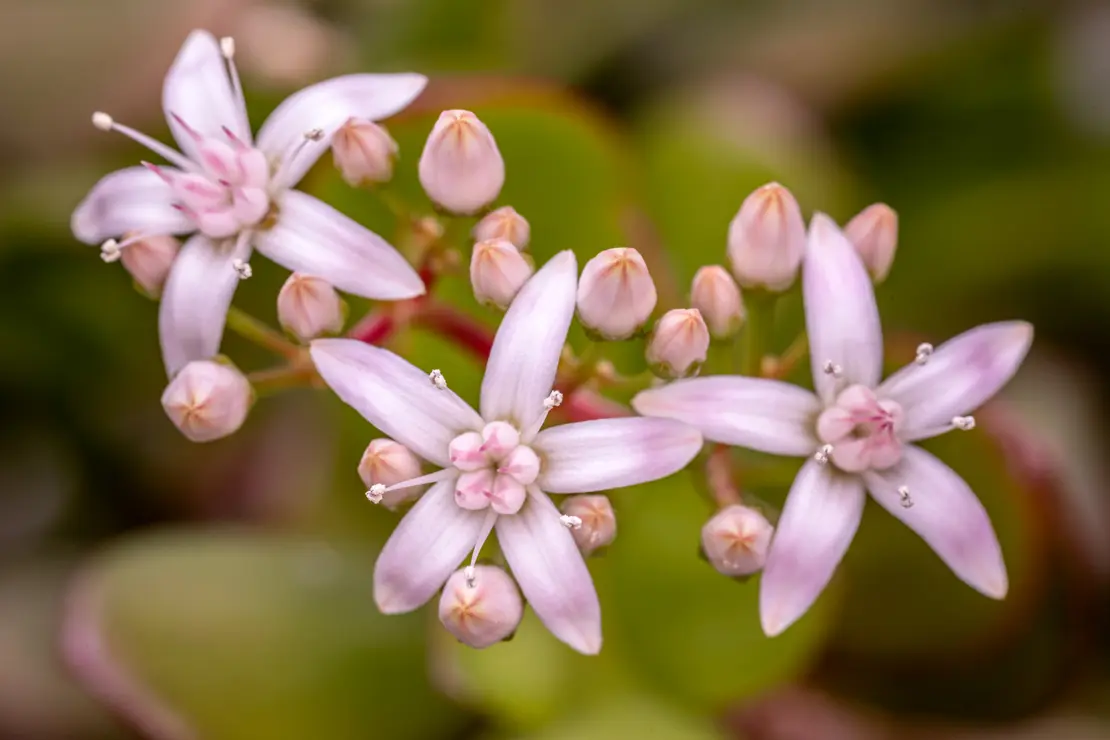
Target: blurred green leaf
(630, 717)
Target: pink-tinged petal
(947, 515)
(842, 320)
(551, 572)
(314, 238)
(395, 396)
(195, 300)
(610, 453)
(424, 549)
(821, 515)
(525, 355)
(958, 377)
(327, 106)
(129, 200)
(765, 415)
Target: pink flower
(234, 194)
(857, 432)
(498, 466)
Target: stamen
(924, 352)
(483, 533)
(438, 380)
(554, 399)
(822, 455)
(110, 251)
(831, 368)
(963, 423)
(571, 522)
(313, 134)
(904, 495)
(435, 477)
(242, 269)
(105, 122)
(376, 492)
(227, 48)
(468, 573)
(193, 133)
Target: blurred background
(222, 591)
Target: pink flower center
(862, 431)
(496, 468)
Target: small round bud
(596, 523)
(149, 260)
(874, 234)
(309, 306)
(717, 296)
(207, 400)
(363, 152)
(497, 272)
(615, 294)
(386, 462)
(461, 168)
(679, 343)
(736, 539)
(483, 609)
(504, 223)
(766, 239)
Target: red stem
(374, 328)
(469, 334)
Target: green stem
(266, 382)
(255, 331)
(758, 332)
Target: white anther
(963, 423)
(822, 455)
(468, 574)
(555, 398)
(375, 493)
(242, 269)
(924, 351)
(103, 121)
(904, 494)
(227, 47)
(314, 134)
(110, 251)
(571, 522)
(438, 380)
(831, 368)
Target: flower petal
(610, 453)
(195, 300)
(314, 238)
(525, 355)
(551, 572)
(132, 199)
(395, 396)
(842, 320)
(424, 549)
(327, 106)
(765, 415)
(958, 377)
(821, 515)
(947, 515)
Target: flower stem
(757, 334)
(373, 328)
(464, 331)
(789, 359)
(256, 331)
(266, 382)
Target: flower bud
(363, 152)
(717, 296)
(497, 272)
(504, 223)
(388, 462)
(766, 239)
(735, 540)
(461, 168)
(149, 260)
(616, 294)
(874, 233)
(483, 609)
(679, 343)
(308, 306)
(207, 400)
(594, 525)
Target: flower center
(495, 467)
(860, 431)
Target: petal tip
(772, 622)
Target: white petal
(195, 300)
(395, 396)
(842, 319)
(314, 238)
(132, 199)
(765, 415)
(958, 377)
(821, 515)
(609, 453)
(947, 515)
(552, 575)
(424, 550)
(327, 106)
(525, 355)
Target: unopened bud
(207, 400)
(504, 223)
(483, 611)
(717, 296)
(363, 152)
(309, 306)
(497, 272)
(597, 522)
(874, 234)
(736, 539)
(766, 239)
(386, 462)
(149, 260)
(615, 294)
(679, 343)
(461, 168)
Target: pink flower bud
(388, 462)
(615, 294)
(504, 223)
(766, 239)
(481, 607)
(363, 152)
(461, 168)
(735, 540)
(874, 233)
(149, 260)
(591, 521)
(497, 272)
(717, 296)
(309, 306)
(207, 400)
(679, 343)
